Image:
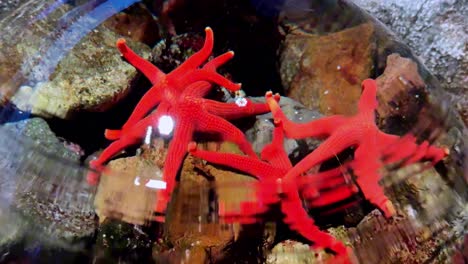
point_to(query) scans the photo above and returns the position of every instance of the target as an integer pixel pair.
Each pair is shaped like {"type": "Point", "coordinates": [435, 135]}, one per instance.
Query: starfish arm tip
{"type": "Point", "coordinates": [268, 94]}
{"type": "Point", "coordinates": [446, 151]}
{"type": "Point", "coordinates": [278, 122]}
{"type": "Point", "coordinates": [192, 147]}
{"type": "Point", "coordinates": [231, 53]}
{"type": "Point", "coordinates": [121, 44]}
{"type": "Point", "coordinates": [110, 134]}
{"type": "Point", "coordinates": [207, 29]}
{"type": "Point", "coordinates": [277, 97]}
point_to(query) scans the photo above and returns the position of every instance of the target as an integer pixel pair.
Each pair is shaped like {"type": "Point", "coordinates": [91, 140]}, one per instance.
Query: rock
{"type": "Point", "coordinates": [461, 253]}
{"type": "Point", "coordinates": [436, 31]}
{"type": "Point", "coordinates": [12, 230]}
{"type": "Point", "coordinates": [192, 213]}
{"type": "Point", "coordinates": [6, 7]}
{"type": "Point", "coordinates": [401, 94]}
{"type": "Point", "coordinates": [24, 144]}
{"type": "Point", "coordinates": [293, 252]}
{"type": "Point", "coordinates": [59, 80]}
{"type": "Point", "coordinates": [122, 193]}
{"type": "Point", "coordinates": [387, 241]}
{"type": "Point", "coordinates": [20, 47]}
{"type": "Point", "coordinates": [126, 181]}
{"type": "Point", "coordinates": [169, 53]}
{"type": "Point", "coordinates": [69, 225]}
{"type": "Point", "coordinates": [92, 77]}
{"type": "Point", "coordinates": [325, 72]}
{"type": "Point", "coordinates": [421, 194]}
{"type": "Point", "coordinates": [137, 23]}
{"type": "Point", "coordinates": [38, 131]}
{"type": "Point", "coordinates": [44, 191]}
{"type": "Point", "coordinates": [122, 242]}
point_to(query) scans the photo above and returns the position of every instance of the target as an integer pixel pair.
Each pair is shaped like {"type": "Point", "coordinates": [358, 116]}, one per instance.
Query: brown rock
{"type": "Point", "coordinates": [91, 78]}
{"type": "Point", "coordinates": [63, 77]}
{"type": "Point", "coordinates": [122, 193]}
{"type": "Point", "coordinates": [327, 74]}
{"type": "Point", "coordinates": [137, 23]}
{"type": "Point", "coordinates": [192, 214]}
{"type": "Point", "coordinates": [401, 90]}
{"type": "Point", "coordinates": [400, 240]}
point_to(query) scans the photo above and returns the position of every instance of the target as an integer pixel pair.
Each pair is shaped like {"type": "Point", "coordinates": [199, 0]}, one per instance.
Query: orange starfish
{"type": "Point", "coordinates": [373, 147]}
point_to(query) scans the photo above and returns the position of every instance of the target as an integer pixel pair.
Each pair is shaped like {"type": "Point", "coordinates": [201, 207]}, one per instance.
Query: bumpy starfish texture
{"type": "Point", "coordinates": [373, 148]}
{"type": "Point", "coordinates": [271, 188]}
{"type": "Point", "coordinates": [179, 95]}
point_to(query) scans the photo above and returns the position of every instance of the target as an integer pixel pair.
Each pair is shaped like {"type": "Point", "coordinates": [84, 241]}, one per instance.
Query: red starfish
{"type": "Point", "coordinates": [372, 146]}
{"type": "Point", "coordinates": [185, 106]}
{"type": "Point", "coordinates": [166, 87]}
{"type": "Point", "coordinates": [271, 188]}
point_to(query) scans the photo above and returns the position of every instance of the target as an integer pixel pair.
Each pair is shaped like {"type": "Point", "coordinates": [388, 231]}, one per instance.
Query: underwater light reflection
{"type": "Point", "coordinates": [165, 125]}
{"type": "Point", "coordinates": [153, 184]}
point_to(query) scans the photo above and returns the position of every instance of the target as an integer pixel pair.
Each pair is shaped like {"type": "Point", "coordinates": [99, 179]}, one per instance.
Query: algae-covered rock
{"type": "Point", "coordinates": [122, 242]}
{"type": "Point", "coordinates": [137, 23]}
{"type": "Point", "coordinates": [64, 78]}
{"type": "Point", "coordinates": [293, 252]}
{"type": "Point", "coordinates": [325, 72]}
{"type": "Point", "coordinates": [122, 193]}
{"type": "Point", "coordinates": [401, 92]}
{"type": "Point", "coordinates": [436, 31]}
{"type": "Point", "coordinates": [92, 77]}
{"type": "Point", "coordinates": [37, 131]}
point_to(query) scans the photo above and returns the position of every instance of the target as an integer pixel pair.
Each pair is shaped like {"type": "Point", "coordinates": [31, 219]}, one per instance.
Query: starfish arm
{"type": "Point", "coordinates": [204, 75]}
{"type": "Point", "coordinates": [131, 137]}
{"type": "Point", "coordinates": [254, 167]}
{"type": "Point", "coordinates": [366, 165]}
{"type": "Point", "coordinates": [137, 125]}
{"type": "Point", "coordinates": [436, 154]}
{"type": "Point", "coordinates": [147, 68]}
{"type": "Point", "coordinates": [207, 122]}
{"type": "Point", "coordinates": [201, 88]}
{"type": "Point", "coordinates": [197, 59]}
{"type": "Point", "coordinates": [298, 220]}
{"type": "Point", "coordinates": [326, 179]}
{"type": "Point", "coordinates": [274, 152]}
{"type": "Point", "coordinates": [386, 141]}
{"type": "Point", "coordinates": [173, 162]}
{"type": "Point", "coordinates": [332, 196]}
{"type": "Point", "coordinates": [233, 110]}
{"type": "Point", "coordinates": [396, 149]}
{"type": "Point", "coordinates": [368, 100]}
{"type": "Point", "coordinates": [147, 103]}
{"type": "Point", "coordinates": [322, 127]}
{"type": "Point", "coordinates": [217, 62]}
{"type": "Point", "coordinates": [402, 149]}
{"type": "Point", "coordinates": [418, 154]}
{"type": "Point", "coordinates": [331, 147]}
{"type": "Point", "coordinates": [107, 154]}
